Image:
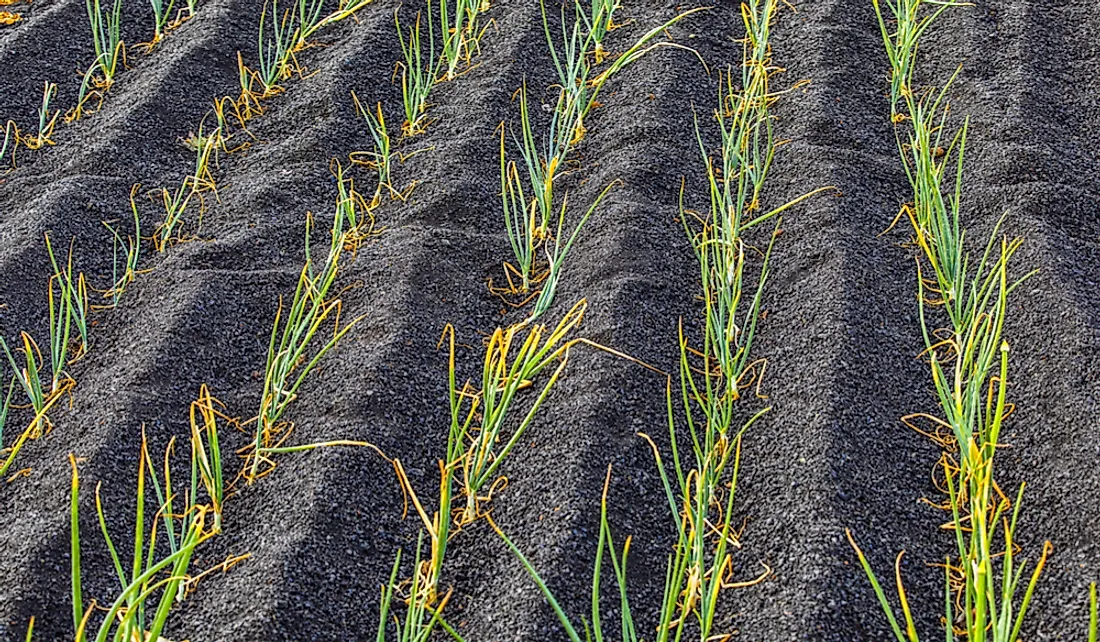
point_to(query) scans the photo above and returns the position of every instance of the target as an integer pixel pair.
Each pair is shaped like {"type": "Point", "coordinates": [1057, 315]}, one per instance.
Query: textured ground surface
{"type": "Point", "coordinates": [840, 335]}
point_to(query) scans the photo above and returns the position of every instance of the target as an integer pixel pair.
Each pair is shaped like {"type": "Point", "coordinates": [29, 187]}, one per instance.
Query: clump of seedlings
{"type": "Point", "coordinates": [380, 157]}
{"type": "Point", "coordinates": [109, 53]}
{"type": "Point", "coordinates": [459, 36]}
{"type": "Point", "coordinates": [194, 186]}
{"type": "Point", "coordinates": [599, 20]}
{"type": "Point", "coordinates": [159, 576]}
{"type": "Point", "coordinates": [67, 307]}
{"type": "Point", "coordinates": [161, 22]}
{"type": "Point", "coordinates": [292, 351]}
{"type": "Point", "coordinates": [486, 424]}
{"type": "Point", "coordinates": [986, 591]}
{"type": "Point", "coordinates": [417, 73]}
{"type": "Point", "coordinates": [460, 33]}
{"type": "Point", "coordinates": [47, 120]}
{"type": "Point", "coordinates": [527, 188]}
{"type": "Point", "coordinates": [125, 254]}
{"type": "Point", "coordinates": [282, 36]}
{"type": "Point", "coordinates": [206, 456]}
{"type": "Point", "coordinates": [413, 628]}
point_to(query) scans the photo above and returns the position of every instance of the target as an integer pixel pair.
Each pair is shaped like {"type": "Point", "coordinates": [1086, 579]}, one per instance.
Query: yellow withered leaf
{"type": "Point", "coordinates": [9, 18]}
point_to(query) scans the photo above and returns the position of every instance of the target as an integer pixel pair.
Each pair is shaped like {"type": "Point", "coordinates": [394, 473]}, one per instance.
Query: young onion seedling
{"type": "Point", "coordinates": [161, 16]}
{"type": "Point", "coordinates": [413, 628]}
{"type": "Point", "coordinates": [41, 399]}
{"type": "Point", "coordinates": [109, 52]}
{"type": "Point", "coordinates": [417, 73]}
{"type": "Point", "coordinates": [599, 21]}
{"type": "Point", "coordinates": [71, 310]}
{"type": "Point", "coordinates": [67, 310]}
{"type": "Point", "coordinates": [528, 227]}
{"type": "Point", "coordinates": [206, 457]}
{"type": "Point", "coordinates": [460, 33]}
{"type": "Point", "coordinates": [379, 158]}
{"type": "Point", "coordinates": [47, 119]}
{"type": "Point", "coordinates": [125, 254]}
{"type": "Point", "coordinates": [274, 47]}
{"type": "Point", "coordinates": [193, 186]}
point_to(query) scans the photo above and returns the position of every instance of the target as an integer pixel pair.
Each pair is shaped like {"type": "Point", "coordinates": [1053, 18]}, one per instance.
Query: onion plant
{"type": "Point", "coordinates": [529, 232]}
{"type": "Point", "coordinates": [294, 336]}
{"type": "Point", "coordinates": [379, 158]}
{"type": "Point", "coordinates": [29, 376]}
{"type": "Point", "coordinates": [69, 311]}
{"type": "Point", "coordinates": [599, 20]}
{"type": "Point", "coordinates": [194, 185]}
{"type": "Point", "coordinates": [47, 119]}
{"type": "Point", "coordinates": [125, 254]}
{"type": "Point", "coordinates": [557, 248]}
{"type": "Point", "coordinates": [281, 37]}
{"type": "Point", "coordinates": [67, 306]}
{"type": "Point", "coordinates": [161, 16]}
{"type": "Point", "coordinates": [460, 33]}
{"type": "Point", "coordinates": [353, 209]}
{"type": "Point", "coordinates": [185, 13]}
{"type": "Point", "coordinates": [421, 617]}
{"type": "Point", "coordinates": [274, 47]}
{"type": "Point", "coordinates": [151, 585]}
{"type": "Point", "coordinates": [985, 595]}
{"type": "Point", "coordinates": [109, 52]}
{"type": "Point", "coordinates": [541, 165]}
{"type": "Point", "coordinates": [417, 73]}
{"type": "Point", "coordinates": [308, 18]}
{"type": "Point", "coordinates": [577, 82]}
{"type": "Point", "coordinates": [40, 399]}
{"type": "Point", "coordinates": [206, 458]}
